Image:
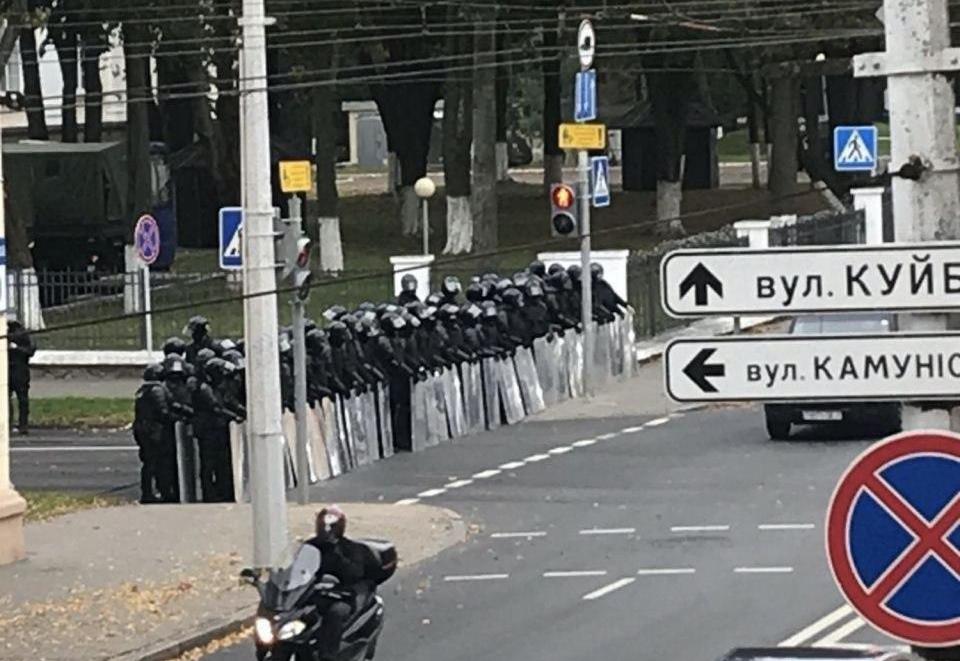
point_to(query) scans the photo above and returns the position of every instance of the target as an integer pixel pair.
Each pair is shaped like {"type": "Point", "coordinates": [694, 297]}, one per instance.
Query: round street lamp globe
{"type": "Point", "coordinates": [425, 188]}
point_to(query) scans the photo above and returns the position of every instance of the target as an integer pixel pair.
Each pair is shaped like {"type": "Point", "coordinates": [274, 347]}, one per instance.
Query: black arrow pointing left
{"type": "Point", "coordinates": [698, 370]}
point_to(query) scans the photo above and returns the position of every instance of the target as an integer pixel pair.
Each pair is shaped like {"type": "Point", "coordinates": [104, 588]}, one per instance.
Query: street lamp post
{"type": "Point", "coordinates": [425, 189]}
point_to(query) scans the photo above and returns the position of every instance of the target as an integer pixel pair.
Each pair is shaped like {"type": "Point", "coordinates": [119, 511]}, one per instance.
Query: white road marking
{"type": "Point", "coordinates": [513, 465]}
{"type": "Point", "coordinates": [575, 574]}
{"type": "Point", "coordinates": [483, 475]}
{"type": "Point", "coordinates": [838, 634]}
{"type": "Point", "coordinates": [407, 501]}
{"type": "Point", "coordinates": [657, 422]}
{"type": "Point", "coordinates": [77, 448]}
{"type": "Point", "coordinates": [608, 531]}
{"type": "Point", "coordinates": [534, 458]}
{"type": "Point", "coordinates": [807, 633]}
{"type": "Point", "coordinates": [613, 587]}
{"type": "Point", "coordinates": [763, 570]}
{"type": "Point", "coordinates": [476, 577]}
{"type": "Point", "coordinates": [723, 528]}
{"type": "Point", "coordinates": [563, 449]}
{"type": "Point", "coordinates": [631, 430]}
{"type": "Point", "coordinates": [667, 572]}
{"type": "Point", "coordinates": [585, 443]}
{"type": "Point", "coordinates": [522, 535]}
{"type": "Point", "coordinates": [786, 526]}
{"type": "Point", "coordinates": [607, 437]}
{"type": "Point", "coordinates": [430, 493]}
{"type": "Point", "coordinates": [456, 484]}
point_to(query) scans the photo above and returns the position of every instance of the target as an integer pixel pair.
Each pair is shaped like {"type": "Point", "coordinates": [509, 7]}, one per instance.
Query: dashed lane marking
{"type": "Point", "coordinates": [476, 577]}
{"type": "Point", "coordinates": [430, 493]}
{"type": "Point", "coordinates": [786, 526]}
{"type": "Point", "coordinates": [585, 443]}
{"type": "Point", "coordinates": [718, 528]}
{"type": "Point", "coordinates": [657, 422]}
{"type": "Point", "coordinates": [806, 634]}
{"type": "Point", "coordinates": [407, 501]}
{"type": "Point", "coordinates": [534, 458]}
{"type": "Point", "coordinates": [456, 484]}
{"type": "Point", "coordinates": [613, 587]}
{"type": "Point", "coordinates": [607, 437]}
{"type": "Point", "coordinates": [679, 571]}
{"type": "Point", "coordinates": [631, 430]}
{"type": "Point", "coordinates": [763, 570]}
{"type": "Point", "coordinates": [563, 449]}
{"type": "Point", "coordinates": [575, 574]}
{"type": "Point", "coordinates": [518, 535]}
{"type": "Point", "coordinates": [483, 475]}
{"type": "Point", "coordinates": [608, 531]}
{"type": "Point", "coordinates": [513, 465]}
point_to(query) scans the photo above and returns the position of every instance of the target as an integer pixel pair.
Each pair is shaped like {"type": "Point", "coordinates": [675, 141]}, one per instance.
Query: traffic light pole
{"type": "Point", "coordinates": [586, 283]}
{"type": "Point", "coordinates": [300, 377]}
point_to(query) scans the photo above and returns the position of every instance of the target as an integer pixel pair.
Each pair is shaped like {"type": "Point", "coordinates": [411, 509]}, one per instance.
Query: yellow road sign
{"type": "Point", "coordinates": [296, 176]}
{"type": "Point", "coordinates": [583, 136]}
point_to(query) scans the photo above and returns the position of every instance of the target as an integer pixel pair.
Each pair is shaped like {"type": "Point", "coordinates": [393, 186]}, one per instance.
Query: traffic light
{"type": "Point", "coordinates": [563, 210]}
{"type": "Point", "coordinates": [293, 252]}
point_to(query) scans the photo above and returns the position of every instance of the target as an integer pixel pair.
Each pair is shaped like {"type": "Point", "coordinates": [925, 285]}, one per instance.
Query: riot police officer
{"type": "Point", "coordinates": [20, 349]}
{"type": "Point", "coordinates": [212, 429]}
{"type": "Point", "coordinates": [198, 329]}
{"type": "Point", "coordinates": [150, 421]}
{"type": "Point", "coordinates": [180, 404]}
{"type": "Point", "coordinates": [607, 299]}
{"type": "Point", "coordinates": [450, 289]}
{"type": "Point", "coordinates": [408, 290]}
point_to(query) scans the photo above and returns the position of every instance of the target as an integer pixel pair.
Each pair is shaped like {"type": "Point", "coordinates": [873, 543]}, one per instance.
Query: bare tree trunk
{"type": "Point", "coordinates": [66, 43]}
{"type": "Point", "coordinates": [327, 210]}
{"type": "Point", "coordinates": [93, 94]}
{"type": "Point", "coordinates": [33, 92]}
{"type": "Point", "coordinates": [503, 87]}
{"type": "Point", "coordinates": [552, 154]}
{"type": "Point", "coordinates": [457, 140]}
{"type": "Point", "coordinates": [670, 94]}
{"type": "Point", "coordinates": [784, 108]}
{"type": "Point", "coordinates": [484, 199]}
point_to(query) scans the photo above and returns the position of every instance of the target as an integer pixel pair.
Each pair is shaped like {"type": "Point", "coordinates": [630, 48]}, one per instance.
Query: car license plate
{"type": "Point", "coordinates": [823, 416]}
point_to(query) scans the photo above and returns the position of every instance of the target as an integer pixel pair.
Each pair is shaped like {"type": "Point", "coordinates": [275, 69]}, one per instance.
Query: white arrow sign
{"type": "Point", "coordinates": [740, 281]}
{"type": "Point", "coordinates": [814, 368]}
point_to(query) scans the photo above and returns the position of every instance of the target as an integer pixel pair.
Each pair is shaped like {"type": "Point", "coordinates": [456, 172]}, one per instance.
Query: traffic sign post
{"type": "Point", "coordinates": [600, 181]}
{"type": "Point", "coordinates": [814, 368]}
{"type": "Point", "coordinates": [892, 539]}
{"type": "Point", "coordinates": [231, 238]}
{"type": "Point", "coordinates": [146, 237]}
{"type": "Point", "coordinates": [855, 148]}
{"type": "Point", "coordinates": [739, 281]}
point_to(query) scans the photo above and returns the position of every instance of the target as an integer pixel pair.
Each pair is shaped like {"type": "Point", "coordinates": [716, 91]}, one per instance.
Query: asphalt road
{"type": "Point", "coordinates": [91, 462]}
{"type": "Point", "coordinates": [622, 539]}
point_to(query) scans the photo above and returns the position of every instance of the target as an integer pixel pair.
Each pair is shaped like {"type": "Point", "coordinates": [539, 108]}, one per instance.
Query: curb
{"type": "Point", "coordinates": [172, 650]}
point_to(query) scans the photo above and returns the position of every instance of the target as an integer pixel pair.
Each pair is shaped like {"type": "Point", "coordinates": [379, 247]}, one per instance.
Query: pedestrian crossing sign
{"type": "Point", "coordinates": [600, 181]}
{"type": "Point", "coordinates": [231, 243]}
{"type": "Point", "coordinates": [855, 148]}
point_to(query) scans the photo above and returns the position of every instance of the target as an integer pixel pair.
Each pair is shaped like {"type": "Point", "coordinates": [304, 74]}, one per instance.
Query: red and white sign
{"type": "Point", "coordinates": [893, 537]}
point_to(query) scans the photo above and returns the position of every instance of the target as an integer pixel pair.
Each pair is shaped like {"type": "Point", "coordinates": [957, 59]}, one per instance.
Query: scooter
{"type": "Point", "coordinates": [288, 622]}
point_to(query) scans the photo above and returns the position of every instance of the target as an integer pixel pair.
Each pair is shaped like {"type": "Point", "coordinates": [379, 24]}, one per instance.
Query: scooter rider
{"type": "Point", "coordinates": [345, 560]}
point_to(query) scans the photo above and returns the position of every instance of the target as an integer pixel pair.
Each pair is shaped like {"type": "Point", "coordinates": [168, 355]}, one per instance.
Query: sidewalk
{"type": "Point", "coordinates": [127, 582]}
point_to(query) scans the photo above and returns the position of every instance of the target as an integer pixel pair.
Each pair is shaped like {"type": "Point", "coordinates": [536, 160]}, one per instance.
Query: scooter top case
{"type": "Point", "coordinates": [381, 561]}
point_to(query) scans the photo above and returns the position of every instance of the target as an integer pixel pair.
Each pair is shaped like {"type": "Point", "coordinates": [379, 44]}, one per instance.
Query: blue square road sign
{"type": "Point", "coordinates": [231, 243]}
{"type": "Point", "coordinates": [855, 148]}
{"type": "Point", "coordinates": [585, 97]}
{"type": "Point", "coordinates": [600, 181]}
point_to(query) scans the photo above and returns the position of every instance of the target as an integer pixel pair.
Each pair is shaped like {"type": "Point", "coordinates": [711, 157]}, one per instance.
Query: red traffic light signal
{"type": "Point", "coordinates": [563, 202]}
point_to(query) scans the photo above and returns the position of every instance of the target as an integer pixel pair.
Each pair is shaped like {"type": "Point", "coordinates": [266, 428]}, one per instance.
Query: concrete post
{"type": "Point", "coordinates": [870, 200]}
{"type": "Point", "coordinates": [757, 232]}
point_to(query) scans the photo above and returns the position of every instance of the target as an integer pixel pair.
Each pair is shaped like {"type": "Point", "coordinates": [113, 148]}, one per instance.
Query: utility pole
{"type": "Point", "coordinates": [267, 486]}
{"type": "Point", "coordinates": [298, 318]}
{"type": "Point", "coordinates": [922, 130]}
{"type": "Point", "coordinates": [586, 282]}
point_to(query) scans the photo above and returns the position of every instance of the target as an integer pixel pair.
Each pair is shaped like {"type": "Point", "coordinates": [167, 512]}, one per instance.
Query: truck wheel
{"type": "Point", "coordinates": [777, 428]}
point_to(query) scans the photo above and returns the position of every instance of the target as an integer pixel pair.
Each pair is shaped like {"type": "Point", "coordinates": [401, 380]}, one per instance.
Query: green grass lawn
{"type": "Point", "coordinates": [734, 147]}
{"type": "Point", "coordinates": [81, 412]}
{"type": "Point", "coordinates": [45, 505]}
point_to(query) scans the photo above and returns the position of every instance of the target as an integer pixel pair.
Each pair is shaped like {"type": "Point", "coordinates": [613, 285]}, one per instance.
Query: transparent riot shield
{"type": "Point", "coordinates": [575, 363]}
{"type": "Point", "coordinates": [345, 435]}
{"type": "Point", "coordinates": [240, 463]}
{"type": "Point", "coordinates": [384, 421]}
{"type": "Point", "coordinates": [371, 431]}
{"type": "Point", "coordinates": [600, 366]}
{"type": "Point", "coordinates": [510, 392]}
{"type": "Point", "coordinates": [616, 348]}
{"type": "Point", "coordinates": [546, 369]}
{"type": "Point", "coordinates": [558, 349]}
{"type": "Point", "coordinates": [358, 430]}
{"type": "Point", "coordinates": [331, 434]}
{"type": "Point", "coordinates": [291, 472]}
{"type": "Point", "coordinates": [317, 450]}
{"type": "Point", "coordinates": [419, 415]}
{"type": "Point", "coordinates": [629, 339]}
{"type": "Point", "coordinates": [437, 431]}
{"type": "Point", "coordinates": [470, 376]}
{"type": "Point", "coordinates": [530, 391]}
{"type": "Point", "coordinates": [490, 381]}
{"type": "Point", "coordinates": [188, 462]}
{"type": "Point", "coordinates": [455, 407]}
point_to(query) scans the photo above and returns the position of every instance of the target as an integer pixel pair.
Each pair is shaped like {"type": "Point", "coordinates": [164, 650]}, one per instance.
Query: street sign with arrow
{"type": "Point", "coordinates": [910, 366]}
{"type": "Point", "coordinates": [741, 281]}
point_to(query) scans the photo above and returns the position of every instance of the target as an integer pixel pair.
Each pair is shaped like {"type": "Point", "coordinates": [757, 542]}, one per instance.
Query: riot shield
{"type": "Point", "coordinates": [546, 369]}
{"type": "Point", "coordinates": [371, 431]}
{"type": "Point", "coordinates": [490, 381]}
{"type": "Point", "coordinates": [384, 421]}
{"type": "Point", "coordinates": [187, 462]}
{"type": "Point", "coordinates": [530, 391]}
{"type": "Point", "coordinates": [473, 397]}
{"type": "Point", "coordinates": [616, 348]}
{"type": "Point", "coordinates": [510, 392]}
{"type": "Point", "coordinates": [601, 355]}
{"type": "Point", "coordinates": [240, 462]}
{"type": "Point", "coordinates": [455, 407]}
{"type": "Point", "coordinates": [419, 415]}
{"type": "Point", "coordinates": [558, 350]}
{"type": "Point", "coordinates": [331, 434]}
{"type": "Point", "coordinates": [345, 434]}
{"type": "Point", "coordinates": [358, 430]}
{"type": "Point", "coordinates": [437, 431]}
{"type": "Point", "coordinates": [575, 364]}
{"type": "Point", "coordinates": [317, 451]}
{"type": "Point", "coordinates": [291, 471]}
{"type": "Point", "coordinates": [629, 339]}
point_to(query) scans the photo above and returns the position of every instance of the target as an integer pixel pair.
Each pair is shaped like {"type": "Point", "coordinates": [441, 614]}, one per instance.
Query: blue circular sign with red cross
{"type": "Point", "coordinates": [893, 537]}
{"type": "Point", "coordinates": [146, 237]}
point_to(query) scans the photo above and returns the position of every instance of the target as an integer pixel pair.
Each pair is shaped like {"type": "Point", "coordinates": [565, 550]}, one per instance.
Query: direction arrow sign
{"type": "Point", "coordinates": [911, 366]}
{"type": "Point", "coordinates": [741, 281]}
{"type": "Point", "coordinates": [892, 537]}
{"type": "Point", "coordinates": [585, 96]}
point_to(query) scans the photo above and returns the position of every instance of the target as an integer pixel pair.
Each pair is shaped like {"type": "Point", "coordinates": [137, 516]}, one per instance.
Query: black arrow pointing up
{"type": "Point", "coordinates": [698, 370]}
{"type": "Point", "coordinates": [701, 279]}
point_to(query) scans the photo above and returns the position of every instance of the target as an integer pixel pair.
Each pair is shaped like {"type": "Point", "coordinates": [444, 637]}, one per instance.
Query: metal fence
{"type": "Point", "coordinates": [827, 228]}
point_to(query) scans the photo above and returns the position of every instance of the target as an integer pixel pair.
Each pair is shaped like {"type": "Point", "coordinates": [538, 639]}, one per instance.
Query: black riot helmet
{"type": "Point", "coordinates": [449, 312]}
{"type": "Point", "coordinates": [283, 344]}
{"type": "Point", "coordinates": [434, 299]}
{"type": "Point", "coordinates": [575, 272]}
{"type": "Point", "coordinates": [204, 355]}
{"type": "Point", "coordinates": [316, 339]}
{"type": "Point", "coordinates": [197, 327]}
{"type": "Point", "coordinates": [370, 328]}
{"type": "Point", "coordinates": [451, 286]}
{"type": "Point", "coordinates": [334, 313]}
{"type": "Point", "coordinates": [520, 279]}
{"type": "Point", "coordinates": [474, 292]}
{"type": "Point", "coordinates": [235, 358]}
{"type": "Point", "coordinates": [537, 268]}
{"type": "Point", "coordinates": [513, 297]}
{"type": "Point", "coordinates": [392, 324]}
{"type": "Point", "coordinates": [555, 268]}
{"type": "Point", "coordinates": [338, 333]}
{"type": "Point", "coordinates": [413, 322]}
{"type": "Point", "coordinates": [367, 306]}
{"type": "Point", "coordinates": [596, 271]}
{"type": "Point", "coordinates": [469, 314]}
{"type": "Point", "coordinates": [408, 283]}
{"type": "Point", "coordinates": [414, 307]}
{"type": "Point", "coordinates": [153, 372]}
{"type": "Point", "coordinates": [174, 345]}
{"type": "Point", "coordinates": [503, 284]}
{"type": "Point", "coordinates": [534, 290]}
{"type": "Point", "coordinates": [225, 345]}
{"type": "Point", "coordinates": [309, 325]}
{"type": "Point", "coordinates": [174, 367]}
{"type": "Point", "coordinates": [489, 309]}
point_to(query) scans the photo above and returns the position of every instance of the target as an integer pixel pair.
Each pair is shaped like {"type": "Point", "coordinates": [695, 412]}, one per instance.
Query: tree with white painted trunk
{"type": "Point", "coordinates": [484, 193]}
{"type": "Point", "coordinates": [457, 141]}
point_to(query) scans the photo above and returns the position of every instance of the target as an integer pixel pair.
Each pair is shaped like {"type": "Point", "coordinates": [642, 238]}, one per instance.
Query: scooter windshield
{"type": "Point", "coordinates": [286, 586]}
